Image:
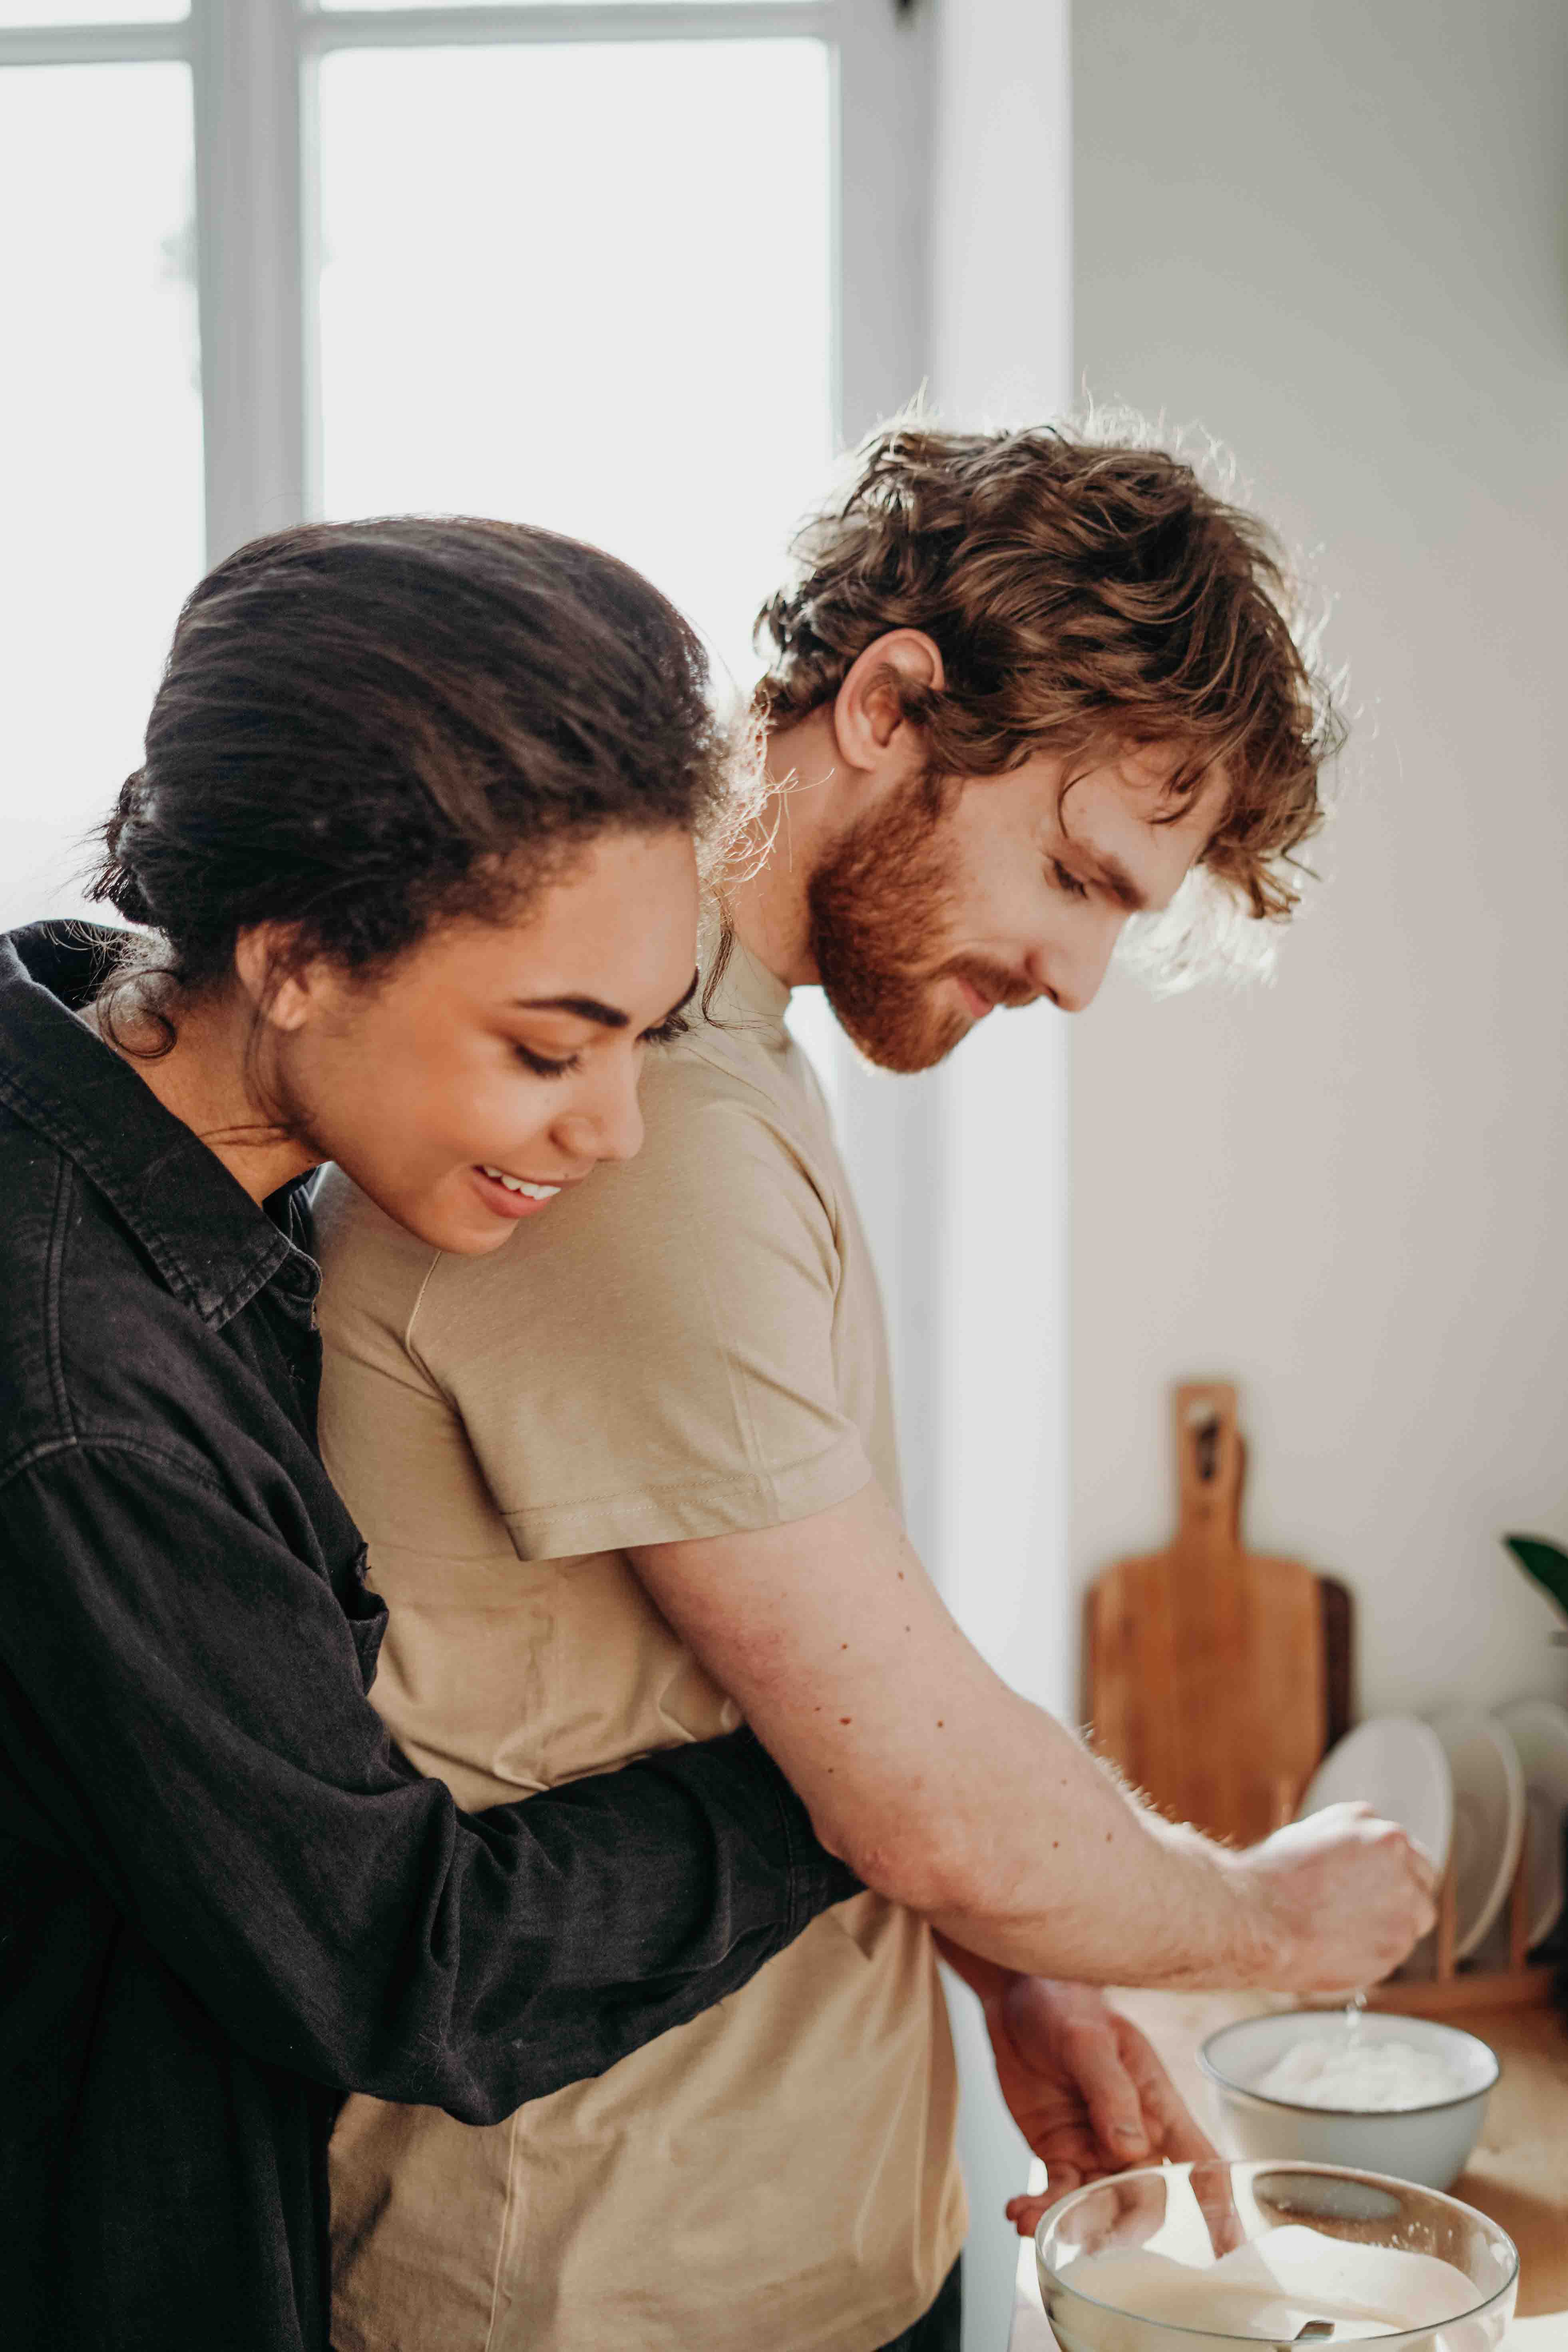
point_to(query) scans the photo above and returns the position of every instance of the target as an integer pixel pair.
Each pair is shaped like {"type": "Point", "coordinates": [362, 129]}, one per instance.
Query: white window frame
{"type": "Point", "coordinates": [253, 66]}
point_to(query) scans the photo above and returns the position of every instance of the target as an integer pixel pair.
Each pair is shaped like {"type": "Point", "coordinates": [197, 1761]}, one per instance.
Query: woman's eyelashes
{"type": "Point", "coordinates": [542, 1069]}
{"type": "Point", "coordinates": [667, 1030]}
{"type": "Point", "coordinates": [1064, 880]}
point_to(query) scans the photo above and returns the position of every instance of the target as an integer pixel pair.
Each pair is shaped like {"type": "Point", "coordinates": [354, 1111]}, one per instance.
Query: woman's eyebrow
{"type": "Point", "coordinates": [682, 1001]}
{"type": "Point", "coordinates": [589, 1008]}
{"type": "Point", "coordinates": [583, 1008]}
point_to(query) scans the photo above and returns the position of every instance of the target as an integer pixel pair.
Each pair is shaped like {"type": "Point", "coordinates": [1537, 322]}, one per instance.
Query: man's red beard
{"type": "Point", "coordinates": [879, 908]}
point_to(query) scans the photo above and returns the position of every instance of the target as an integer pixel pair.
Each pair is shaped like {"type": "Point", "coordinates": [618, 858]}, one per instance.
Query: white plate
{"type": "Point", "coordinates": [1397, 1766]}
{"type": "Point", "coordinates": [1488, 1818]}
{"type": "Point", "coordinates": [1540, 1732]}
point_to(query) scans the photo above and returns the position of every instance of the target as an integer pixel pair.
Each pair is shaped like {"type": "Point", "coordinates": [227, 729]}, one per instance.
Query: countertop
{"type": "Point", "coordinates": [1518, 2175]}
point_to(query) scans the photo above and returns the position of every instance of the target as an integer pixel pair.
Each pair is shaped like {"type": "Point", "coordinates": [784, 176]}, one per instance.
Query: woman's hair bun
{"type": "Point", "coordinates": [116, 882]}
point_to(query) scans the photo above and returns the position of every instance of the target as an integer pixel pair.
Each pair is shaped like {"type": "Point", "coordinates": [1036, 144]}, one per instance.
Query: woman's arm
{"type": "Point", "coordinates": [181, 1710]}
{"type": "Point", "coordinates": [947, 1791]}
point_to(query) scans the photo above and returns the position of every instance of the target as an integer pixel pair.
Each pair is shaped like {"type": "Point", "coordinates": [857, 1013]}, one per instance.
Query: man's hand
{"type": "Point", "coordinates": [1341, 1897]}
{"type": "Point", "coordinates": [1082, 2082]}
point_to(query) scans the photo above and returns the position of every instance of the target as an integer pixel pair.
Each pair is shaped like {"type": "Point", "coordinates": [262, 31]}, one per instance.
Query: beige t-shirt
{"type": "Point", "coordinates": [692, 1344]}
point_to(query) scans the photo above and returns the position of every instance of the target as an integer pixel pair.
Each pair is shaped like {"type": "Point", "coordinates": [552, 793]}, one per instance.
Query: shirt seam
{"type": "Point", "coordinates": [410, 1349]}
{"type": "Point", "coordinates": [652, 1497]}
{"type": "Point", "coordinates": [109, 1442]}
{"type": "Point", "coordinates": [503, 2239]}
{"type": "Point", "coordinates": [54, 1263]}
{"type": "Point", "coordinates": [799, 1869]}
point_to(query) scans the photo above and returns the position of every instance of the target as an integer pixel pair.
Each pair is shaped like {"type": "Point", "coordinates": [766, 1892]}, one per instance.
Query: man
{"type": "Point", "coordinates": [636, 1478]}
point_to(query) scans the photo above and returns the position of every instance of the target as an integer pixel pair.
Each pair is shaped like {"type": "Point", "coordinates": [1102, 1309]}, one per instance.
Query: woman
{"type": "Point", "coordinates": [410, 787]}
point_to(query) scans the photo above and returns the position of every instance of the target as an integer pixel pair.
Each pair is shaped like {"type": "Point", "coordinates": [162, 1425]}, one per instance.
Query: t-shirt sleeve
{"type": "Point", "coordinates": [652, 1359]}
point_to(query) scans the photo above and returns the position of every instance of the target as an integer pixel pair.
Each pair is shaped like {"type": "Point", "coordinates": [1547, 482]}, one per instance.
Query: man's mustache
{"type": "Point", "coordinates": [1008, 989]}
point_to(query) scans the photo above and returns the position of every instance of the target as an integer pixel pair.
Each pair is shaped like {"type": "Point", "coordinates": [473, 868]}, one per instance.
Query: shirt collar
{"type": "Point", "coordinates": [209, 1241]}
{"type": "Point", "coordinates": [749, 989]}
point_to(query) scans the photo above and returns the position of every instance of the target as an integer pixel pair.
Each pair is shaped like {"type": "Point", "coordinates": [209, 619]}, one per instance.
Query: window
{"type": "Point", "coordinates": [630, 268]}
{"type": "Point", "coordinates": [101, 424]}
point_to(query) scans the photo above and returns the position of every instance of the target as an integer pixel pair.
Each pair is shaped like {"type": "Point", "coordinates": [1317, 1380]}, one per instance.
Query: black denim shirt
{"type": "Point", "coordinates": [225, 1897]}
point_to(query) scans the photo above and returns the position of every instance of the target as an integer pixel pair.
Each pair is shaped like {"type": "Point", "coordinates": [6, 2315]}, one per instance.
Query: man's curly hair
{"type": "Point", "coordinates": [1087, 598]}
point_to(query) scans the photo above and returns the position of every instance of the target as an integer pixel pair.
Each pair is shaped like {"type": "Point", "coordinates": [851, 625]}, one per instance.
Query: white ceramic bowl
{"type": "Point", "coordinates": [1430, 2145]}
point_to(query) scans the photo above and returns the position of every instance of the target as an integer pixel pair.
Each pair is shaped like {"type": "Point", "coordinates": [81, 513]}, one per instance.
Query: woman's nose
{"type": "Point", "coordinates": [610, 1127]}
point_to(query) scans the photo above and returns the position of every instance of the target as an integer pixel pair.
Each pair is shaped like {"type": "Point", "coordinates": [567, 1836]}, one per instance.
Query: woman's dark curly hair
{"type": "Point", "coordinates": [364, 728]}
{"type": "Point", "coordinates": [1087, 599]}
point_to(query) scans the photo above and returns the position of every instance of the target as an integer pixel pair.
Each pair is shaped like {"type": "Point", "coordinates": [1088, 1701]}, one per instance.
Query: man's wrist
{"type": "Point", "coordinates": [1258, 1939]}
{"type": "Point", "coordinates": [1243, 1941]}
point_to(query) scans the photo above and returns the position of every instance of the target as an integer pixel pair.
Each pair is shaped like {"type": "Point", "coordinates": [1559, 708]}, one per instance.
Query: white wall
{"type": "Point", "coordinates": [1333, 233]}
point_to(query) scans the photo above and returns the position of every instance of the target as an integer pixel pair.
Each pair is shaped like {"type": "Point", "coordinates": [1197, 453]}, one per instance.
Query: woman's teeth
{"type": "Point", "coordinates": [521, 1184]}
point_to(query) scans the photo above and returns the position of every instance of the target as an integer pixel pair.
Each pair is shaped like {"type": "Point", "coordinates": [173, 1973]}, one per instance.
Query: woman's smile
{"type": "Point", "coordinates": [512, 1196]}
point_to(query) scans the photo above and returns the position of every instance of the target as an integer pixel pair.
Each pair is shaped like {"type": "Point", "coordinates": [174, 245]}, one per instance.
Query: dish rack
{"type": "Point", "coordinates": [1452, 1987]}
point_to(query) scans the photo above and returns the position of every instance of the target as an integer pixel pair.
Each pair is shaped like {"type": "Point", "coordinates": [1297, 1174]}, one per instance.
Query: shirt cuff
{"type": "Point", "coordinates": [737, 1769]}
{"type": "Point", "coordinates": [817, 1879]}
{"type": "Point", "coordinates": [690, 1509]}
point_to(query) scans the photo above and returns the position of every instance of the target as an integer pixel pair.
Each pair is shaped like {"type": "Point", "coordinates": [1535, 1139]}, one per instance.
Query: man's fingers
{"type": "Point", "coordinates": [1426, 1871]}
{"type": "Point", "coordinates": [1140, 2204]}
{"type": "Point", "coordinates": [1026, 2213]}
{"type": "Point", "coordinates": [1170, 2124]}
{"type": "Point", "coordinates": [1109, 2091]}
{"type": "Point", "coordinates": [1210, 2187]}
{"type": "Point", "coordinates": [1071, 2147]}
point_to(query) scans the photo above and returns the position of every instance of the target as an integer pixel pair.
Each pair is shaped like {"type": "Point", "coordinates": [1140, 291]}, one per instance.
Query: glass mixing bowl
{"type": "Point", "coordinates": [1177, 2256]}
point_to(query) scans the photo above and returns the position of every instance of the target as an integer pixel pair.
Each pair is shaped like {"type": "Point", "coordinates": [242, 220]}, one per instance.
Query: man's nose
{"type": "Point", "coordinates": [1070, 971]}
{"type": "Point", "coordinates": [610, 1126]}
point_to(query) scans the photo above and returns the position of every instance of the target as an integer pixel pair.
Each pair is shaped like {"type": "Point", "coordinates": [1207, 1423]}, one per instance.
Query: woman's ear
{"type": "Point", "coordinates": [872, 705]}
{"type": "Point", "coordinates": [282, 989]}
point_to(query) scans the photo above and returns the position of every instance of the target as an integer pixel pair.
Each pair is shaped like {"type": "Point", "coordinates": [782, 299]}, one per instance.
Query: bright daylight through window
{"type": "Point", "coordinates": [588, 281]}
{"type": "Point", "coordinates": [101, 434]}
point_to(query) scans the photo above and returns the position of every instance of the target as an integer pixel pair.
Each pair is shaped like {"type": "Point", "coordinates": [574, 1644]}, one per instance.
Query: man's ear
{"type": "Point", "coordinates": [873, 702]}
{"type": "Point", "coordinates": [266, 964]}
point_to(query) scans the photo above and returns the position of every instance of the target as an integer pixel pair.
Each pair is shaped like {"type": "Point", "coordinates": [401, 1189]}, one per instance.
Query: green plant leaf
{"type": "Point", "coordinates": [1546, 1562]}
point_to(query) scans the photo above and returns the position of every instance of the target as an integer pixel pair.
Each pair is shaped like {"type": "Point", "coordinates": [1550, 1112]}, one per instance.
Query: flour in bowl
{"type": "Point", "coordinates": [1363, 2077]}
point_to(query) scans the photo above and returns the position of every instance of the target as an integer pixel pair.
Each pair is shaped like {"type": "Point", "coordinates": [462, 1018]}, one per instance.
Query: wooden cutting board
{"type": "Point", "coordinates": [1217, 1677]}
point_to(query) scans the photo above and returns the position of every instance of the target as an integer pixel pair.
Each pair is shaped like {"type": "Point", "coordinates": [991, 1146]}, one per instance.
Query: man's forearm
{"type": "Point", "coordinates": [1098, 1889]}
{"type": "Point", "coordinates": [946, 1791]}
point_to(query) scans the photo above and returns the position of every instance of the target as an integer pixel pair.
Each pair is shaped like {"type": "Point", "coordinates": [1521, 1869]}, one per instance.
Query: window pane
{"type": "Point", "coordinates": [91, 12]}
{"type": "Point", "coordinates": [327, 7]}
{"type": "Point", "coordinates": [584, 286]}
{"type": "Point", "coordinates": [101, 443]}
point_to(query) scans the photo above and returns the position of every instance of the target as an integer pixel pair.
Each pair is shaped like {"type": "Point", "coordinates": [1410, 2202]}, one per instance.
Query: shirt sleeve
{"type": "Point", "coordinates": [659, 1364]}
{"type": "Point", "coordinates": [181, 1711]}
